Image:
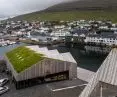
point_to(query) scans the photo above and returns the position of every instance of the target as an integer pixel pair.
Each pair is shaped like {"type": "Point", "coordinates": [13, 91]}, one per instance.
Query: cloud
{"type": "Point", "coordinates": [16, 7]}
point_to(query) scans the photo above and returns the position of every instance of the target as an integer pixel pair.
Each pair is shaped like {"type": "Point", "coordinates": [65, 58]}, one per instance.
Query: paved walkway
{"type": "Point", "coordinates": [84, 74]}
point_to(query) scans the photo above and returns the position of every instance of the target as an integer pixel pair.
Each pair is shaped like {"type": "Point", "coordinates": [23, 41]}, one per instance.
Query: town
{"type": "Point", "coordinates": [47, 32]}
{"type": "Point", "coordinates": [34, 67]}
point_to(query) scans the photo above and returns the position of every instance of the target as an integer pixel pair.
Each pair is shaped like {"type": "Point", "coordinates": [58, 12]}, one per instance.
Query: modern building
{"type": "Point", "coordinates": [32, 64]}
{"type": "Point", "coordinates": [104, 81]}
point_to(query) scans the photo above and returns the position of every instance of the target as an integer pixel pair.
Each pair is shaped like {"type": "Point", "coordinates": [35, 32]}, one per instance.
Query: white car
{"type": "Point", "coordinates": [3, 89]}
{"type": "Point", "coordinates": [3, 81]}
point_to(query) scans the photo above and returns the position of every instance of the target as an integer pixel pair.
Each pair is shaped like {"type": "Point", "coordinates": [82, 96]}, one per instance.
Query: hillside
{"type": "Point", "coordinates": [85, 5]}
{"type": "Point", "coordinates": [74, 10]}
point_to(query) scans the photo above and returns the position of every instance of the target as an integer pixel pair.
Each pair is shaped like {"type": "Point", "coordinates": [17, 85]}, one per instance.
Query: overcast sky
{"type": "Point", "coordinates": [16, 7]}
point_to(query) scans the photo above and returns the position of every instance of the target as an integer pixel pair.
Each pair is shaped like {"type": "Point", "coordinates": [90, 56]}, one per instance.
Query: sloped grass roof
{"type": "Point", "coordinates": [22, 58]}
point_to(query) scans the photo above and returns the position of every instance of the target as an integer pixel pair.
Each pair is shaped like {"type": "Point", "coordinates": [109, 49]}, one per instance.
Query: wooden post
{"type": "Point", "coordinates": [101, 90]}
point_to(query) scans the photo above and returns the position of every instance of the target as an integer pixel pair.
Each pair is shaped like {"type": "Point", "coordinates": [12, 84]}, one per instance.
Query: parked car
{"type": "Point", "coordinates": [3, 89]}
{"type": "Point", "coordinates": [3, 81]}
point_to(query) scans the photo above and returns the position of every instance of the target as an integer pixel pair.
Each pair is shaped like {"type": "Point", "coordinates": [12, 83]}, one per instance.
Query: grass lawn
{"type": "Point", "coordinates": [72, 15]}
{"type": "Point", "coordinates": [22, 58]}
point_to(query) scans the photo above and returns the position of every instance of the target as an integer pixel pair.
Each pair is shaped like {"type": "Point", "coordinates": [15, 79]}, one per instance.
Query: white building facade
{"type": "Point", "coordinates": [101, 39]}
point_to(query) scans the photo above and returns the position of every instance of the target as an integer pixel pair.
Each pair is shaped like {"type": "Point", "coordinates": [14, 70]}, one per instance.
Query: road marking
{"type": "Point", "coordinates": [55, 90]}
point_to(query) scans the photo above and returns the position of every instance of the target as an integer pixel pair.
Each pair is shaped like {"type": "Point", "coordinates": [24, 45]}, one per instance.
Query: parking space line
{"type": "Point", "coordinates": [55, 90]}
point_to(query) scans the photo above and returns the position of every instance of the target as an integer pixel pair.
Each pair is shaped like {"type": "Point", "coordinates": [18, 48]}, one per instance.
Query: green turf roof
{"type": "Point", "coordinates": [22, 58]}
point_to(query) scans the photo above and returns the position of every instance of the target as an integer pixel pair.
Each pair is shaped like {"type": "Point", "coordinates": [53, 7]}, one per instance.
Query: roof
{"type": "Point", "coordinates": [22, 58]}
{"type": "Point", "coordinates": [114, 36]}
{"type": "Point", "coordinates": [80, 31]}
{"type": "Point", "coordinates": [53, 54]}
{"type": "Point", "coordinates": [107, 73]}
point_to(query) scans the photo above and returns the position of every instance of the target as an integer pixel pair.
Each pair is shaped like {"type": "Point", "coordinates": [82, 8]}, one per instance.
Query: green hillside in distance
{"type": "Point", "coordinates": [70, 15]}
{"type": "Point", "coordinates": [75, 10]}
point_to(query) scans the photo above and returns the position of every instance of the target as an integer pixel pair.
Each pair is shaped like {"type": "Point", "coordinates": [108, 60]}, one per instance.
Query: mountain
{"type": "Point", "coordinates": [85, 5]}
{"type": "Point", "coordinates": [75, 9]}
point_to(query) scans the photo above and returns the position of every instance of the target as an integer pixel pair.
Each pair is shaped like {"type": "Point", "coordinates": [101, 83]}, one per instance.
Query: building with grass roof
{"type": "Point", "coordinates": [34, 65]}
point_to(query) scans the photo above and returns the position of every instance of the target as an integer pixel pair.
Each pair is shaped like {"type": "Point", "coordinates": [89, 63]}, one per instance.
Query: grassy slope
{"type": "Point", "coordinates": [70, 15]}
{"type": "Point", "coordinates": [23, 58]}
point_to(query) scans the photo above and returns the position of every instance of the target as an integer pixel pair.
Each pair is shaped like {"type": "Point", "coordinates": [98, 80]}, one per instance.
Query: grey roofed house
{"type": "Point", "coordinates": [104, 82]}
{"type": "Point", "coordinates": [113, 36]}
{"type": "Point", "coordinates": [80, 31]}
{"type": "Point", "coordinates": [53, 63]}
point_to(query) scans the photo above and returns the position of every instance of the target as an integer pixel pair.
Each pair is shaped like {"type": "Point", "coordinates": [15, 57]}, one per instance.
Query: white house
{"type": "Point", "coordinates": [59, 26]}
{"type": "Point", "coordinates": [104, 27]}
{"type": "Point", "coordinates": [43, 30]}
{"type": "Point", "coordinates": [59, 33]}
{"type": "Point", "coordinates": [97, 39]}
{"type": "Point", "coordinates": [114, 29]}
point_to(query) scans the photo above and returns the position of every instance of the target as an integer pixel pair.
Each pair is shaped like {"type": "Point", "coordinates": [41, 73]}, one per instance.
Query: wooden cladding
{"type": "Point", "coordinates": [47, 67]}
